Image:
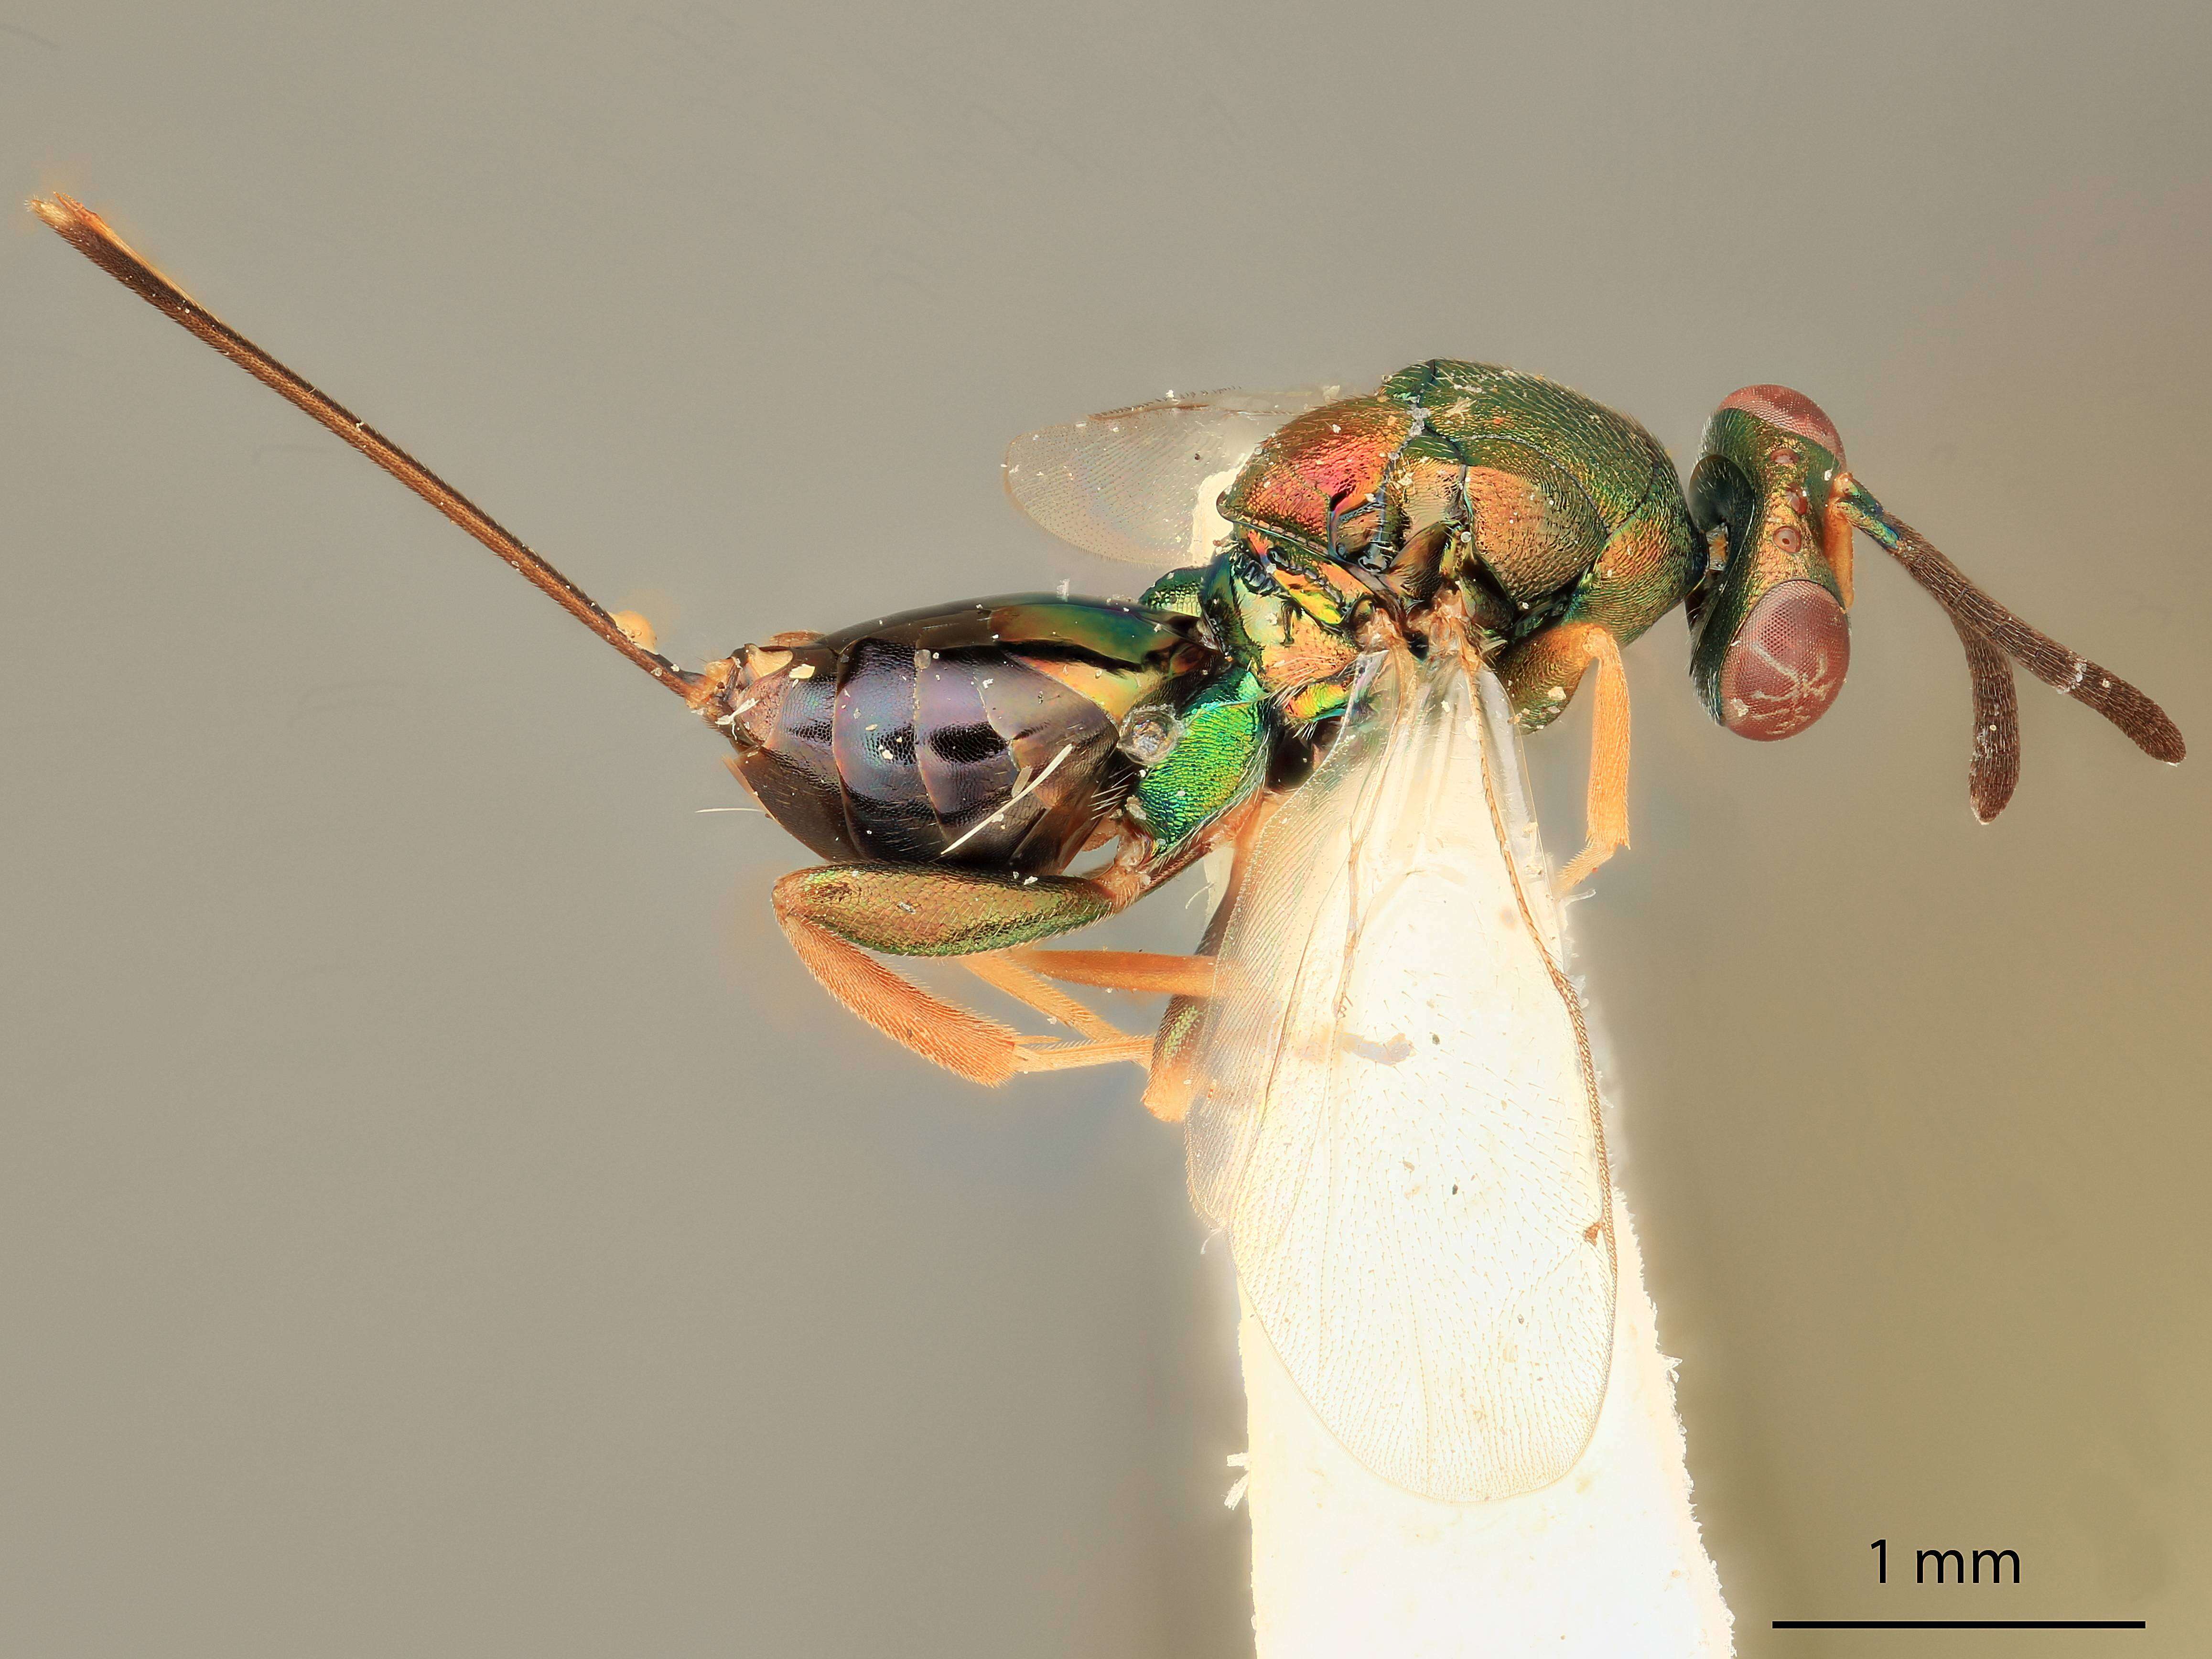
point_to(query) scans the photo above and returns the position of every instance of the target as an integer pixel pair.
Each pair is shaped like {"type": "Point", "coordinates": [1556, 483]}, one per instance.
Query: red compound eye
{"type": "Point", "coordinates": [1786, 663]}
{"type": "Point", "coordinates": [1793, 411]}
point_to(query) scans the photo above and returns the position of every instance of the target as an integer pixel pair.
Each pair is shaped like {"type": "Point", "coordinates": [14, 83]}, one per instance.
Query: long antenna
{"type": "Point", "coordinates": [87, 233]}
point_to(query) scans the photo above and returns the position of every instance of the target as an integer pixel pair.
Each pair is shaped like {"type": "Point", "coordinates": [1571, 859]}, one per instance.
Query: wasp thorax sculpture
{"type": "Point", "coordinates": [956, 767]}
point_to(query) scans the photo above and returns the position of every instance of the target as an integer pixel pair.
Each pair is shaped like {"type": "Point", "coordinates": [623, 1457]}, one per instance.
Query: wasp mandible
{"type": "Point", "coordinates": [957, 765]}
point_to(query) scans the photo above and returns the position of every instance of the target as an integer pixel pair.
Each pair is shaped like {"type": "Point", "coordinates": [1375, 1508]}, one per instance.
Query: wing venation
{"type": "Point", "coordinates": [1395, 1119]}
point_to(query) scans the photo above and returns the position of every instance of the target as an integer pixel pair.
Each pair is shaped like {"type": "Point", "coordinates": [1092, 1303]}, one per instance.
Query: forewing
{"type": "Point", "coordinates": [1396, 1118]}
{"type": "Point", "coordinates": [1139, 485]}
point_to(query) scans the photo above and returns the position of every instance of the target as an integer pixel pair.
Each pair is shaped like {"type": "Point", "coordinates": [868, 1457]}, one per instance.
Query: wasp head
{"type": "Point", "coordinates": [1769, 640]}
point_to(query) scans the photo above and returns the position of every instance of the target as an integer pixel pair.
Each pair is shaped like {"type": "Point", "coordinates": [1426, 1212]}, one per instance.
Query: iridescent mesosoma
{"type": "Point", "coordinates": [956, 765]}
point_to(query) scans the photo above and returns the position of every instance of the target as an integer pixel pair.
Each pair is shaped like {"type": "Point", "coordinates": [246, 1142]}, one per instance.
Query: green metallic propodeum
{"type": "Point", "coordinates": [1218, 758]}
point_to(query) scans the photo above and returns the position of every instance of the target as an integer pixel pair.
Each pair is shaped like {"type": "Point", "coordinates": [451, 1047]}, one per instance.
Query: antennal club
{"type": "Point", "coordinates": [1987, 628]}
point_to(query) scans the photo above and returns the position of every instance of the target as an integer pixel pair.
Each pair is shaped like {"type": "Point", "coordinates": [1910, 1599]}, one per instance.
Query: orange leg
{"type": "Point", "coordinates": [1022, 973]}
{"type": "Point", "coordinates": [1188, 980]}
{"type": "Point", "coordinates": [1102, 1042]}
{"type": "Point", "coordinates": [1606, 816]}
{"type": "Point", "coordinates": [1540, 674]}
{"type": "Point", "coordinates": [979, 1049]}
{"type": "Point", "coordinates": [836, 915]}
{"type": "Point", "coordinates": [1124, 970]}
{"type": "Point", "coordinates": [982, 1050]}
{"type": "Point", "coordinates": [1004, 970]}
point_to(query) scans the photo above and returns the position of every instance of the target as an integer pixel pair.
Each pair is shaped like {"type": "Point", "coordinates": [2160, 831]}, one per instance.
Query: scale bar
{"type": "Point", "coordinates": [1960, 1624]}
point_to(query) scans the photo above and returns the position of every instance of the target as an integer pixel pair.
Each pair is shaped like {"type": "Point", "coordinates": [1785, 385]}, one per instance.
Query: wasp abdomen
{"type": "Point", "coordinates": [986, 735]}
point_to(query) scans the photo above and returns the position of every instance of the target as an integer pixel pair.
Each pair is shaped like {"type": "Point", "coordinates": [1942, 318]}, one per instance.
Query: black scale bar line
{"type": "Point", "coordinates": [1960, 1624]}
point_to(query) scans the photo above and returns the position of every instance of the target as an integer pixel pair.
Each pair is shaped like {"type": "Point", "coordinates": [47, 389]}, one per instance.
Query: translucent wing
{"type": "Point", "coordinates": [1138, 484]}
{"type": "Point", "coordinates": [1396, 1117]}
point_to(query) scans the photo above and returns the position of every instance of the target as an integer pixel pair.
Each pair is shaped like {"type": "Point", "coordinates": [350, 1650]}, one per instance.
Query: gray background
{"type": "Point", "coordinates": [439, 1215]}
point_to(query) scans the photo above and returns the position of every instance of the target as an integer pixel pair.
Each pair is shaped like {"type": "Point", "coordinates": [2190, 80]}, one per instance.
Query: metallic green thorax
{"type": "Point", "coordinates": [1545, 507]}
{"type": "Point", "coordinates": [1596, 530]}
{"type": "Point", "coordinates": [1483, 415]}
